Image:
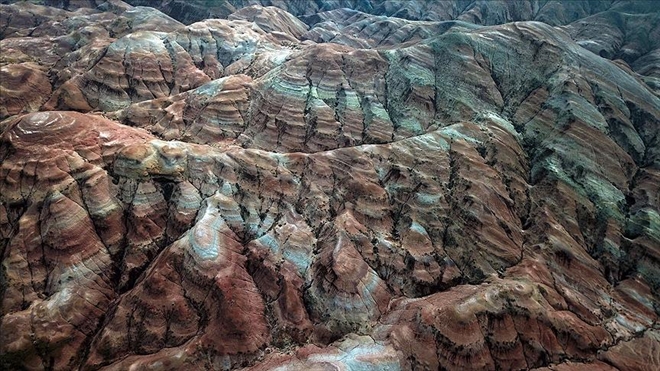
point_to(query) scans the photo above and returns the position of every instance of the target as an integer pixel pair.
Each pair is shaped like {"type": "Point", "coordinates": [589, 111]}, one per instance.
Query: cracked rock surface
{"type": "Point", "coordinates": [353, 185]}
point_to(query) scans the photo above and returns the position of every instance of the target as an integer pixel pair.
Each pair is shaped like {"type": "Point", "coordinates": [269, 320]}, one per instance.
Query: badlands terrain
{"type": "Point", "coordinates": [329, 185]}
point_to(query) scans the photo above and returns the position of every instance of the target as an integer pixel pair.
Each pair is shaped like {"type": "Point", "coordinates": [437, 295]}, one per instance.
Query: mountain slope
{"type": "Point", "coordinates": [427, 186]}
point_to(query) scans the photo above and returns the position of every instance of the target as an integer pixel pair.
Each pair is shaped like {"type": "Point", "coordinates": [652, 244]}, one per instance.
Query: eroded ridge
{"type": "Point", "coordinates": [308, 188]}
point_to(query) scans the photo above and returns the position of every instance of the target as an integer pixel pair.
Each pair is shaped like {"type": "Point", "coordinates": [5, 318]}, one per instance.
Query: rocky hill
{"type": "Point", "coordinates": [330, 184]}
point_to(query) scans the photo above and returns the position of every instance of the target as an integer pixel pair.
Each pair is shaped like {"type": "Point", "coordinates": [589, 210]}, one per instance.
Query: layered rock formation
{"type": "Point", "coordinates": [416, 186]}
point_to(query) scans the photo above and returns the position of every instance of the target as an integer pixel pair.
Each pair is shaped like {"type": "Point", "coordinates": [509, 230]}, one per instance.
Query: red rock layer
{"type": "Point", "coordinates": [484, 198]}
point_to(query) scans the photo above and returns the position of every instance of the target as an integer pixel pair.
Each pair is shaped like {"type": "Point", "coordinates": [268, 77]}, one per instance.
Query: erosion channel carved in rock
{"type": "Point", "coordinates": [329, 185]}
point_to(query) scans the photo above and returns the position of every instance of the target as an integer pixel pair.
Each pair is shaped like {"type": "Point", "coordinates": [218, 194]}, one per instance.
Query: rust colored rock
{"type": "Point", "coordinates": [636, 354]}
{"type": "Point", "coordinates": [25, 18]}
{"type": "Point", "coordinates": [569, 366]}
{"type": "Point", "coordinates": [273, 20]}
{"type": "Point", "coordinates": [24, 88]}
{"type": "Point", "coordinates": [134, 68]}
{"type": "Point", "coordinates": [210, 114]}
{"type": "Point", "coordinates": [389, 187]}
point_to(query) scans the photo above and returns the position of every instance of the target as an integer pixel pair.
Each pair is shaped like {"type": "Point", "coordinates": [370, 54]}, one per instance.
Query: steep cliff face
{"type": "Point", "coordinates": [401, 185]}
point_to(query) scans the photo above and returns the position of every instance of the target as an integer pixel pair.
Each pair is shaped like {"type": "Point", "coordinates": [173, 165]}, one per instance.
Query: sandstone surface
{"type": "Point", "coordinates": [353, 185]}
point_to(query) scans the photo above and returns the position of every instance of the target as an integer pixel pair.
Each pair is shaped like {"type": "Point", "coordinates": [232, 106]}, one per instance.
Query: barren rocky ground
{"type": "Point", "coordinates": [329, 185]}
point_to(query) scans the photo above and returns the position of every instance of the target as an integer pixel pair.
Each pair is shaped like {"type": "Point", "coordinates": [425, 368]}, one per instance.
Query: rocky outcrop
{"type": "Point", "coordinates": [145, 65]}
{"type": "Point", "coordinates": [24, 87]}
{"type": "Point", "coordinates": [480, 11]}
{"type": "Point", "coordinates": [136, 67]}
{"type": "Point", "coordinates": [344, 190]}
{"type": "Point", "coordinates": [210, 114]}
{"type": "Point", "coordinates": [272, 20]}
{"type": "Point", "coordinates": [639, 354]}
